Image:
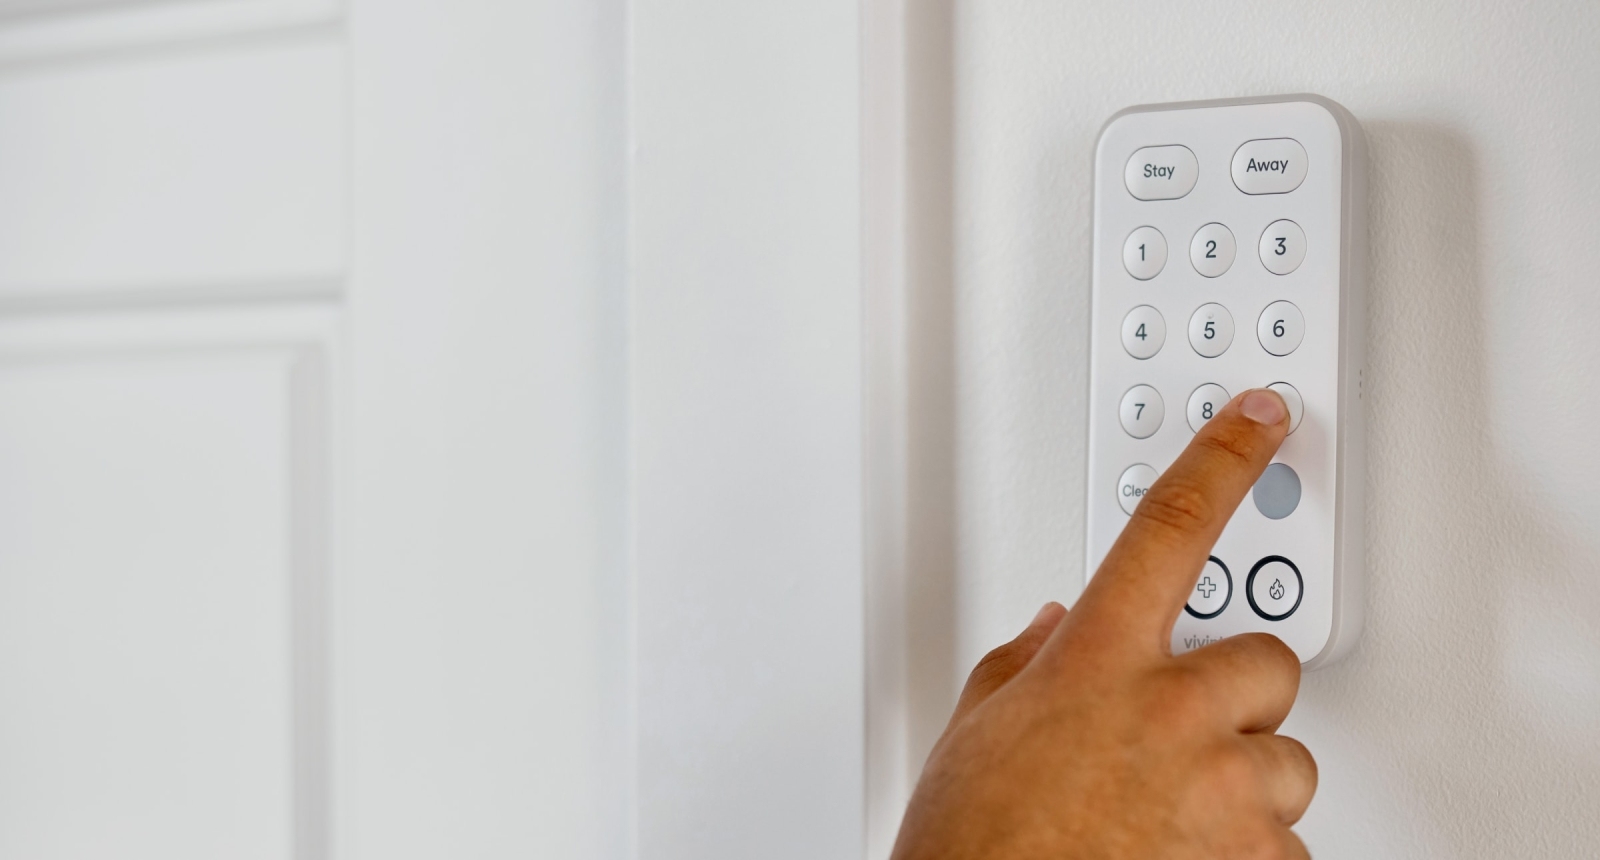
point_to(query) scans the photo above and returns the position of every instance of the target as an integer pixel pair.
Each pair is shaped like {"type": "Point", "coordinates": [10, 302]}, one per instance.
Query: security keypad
{"type": "Point", "coordinates": [1182, 191]}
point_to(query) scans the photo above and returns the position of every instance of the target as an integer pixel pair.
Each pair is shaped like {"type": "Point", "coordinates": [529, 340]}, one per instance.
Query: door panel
{"type": "Point", "coordinates": [160, 644]}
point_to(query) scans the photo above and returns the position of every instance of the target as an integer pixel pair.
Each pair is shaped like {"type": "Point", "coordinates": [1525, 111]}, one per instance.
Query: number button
{"type": "Point", "coordinates": [1142, 411]}
{"type": "Point", "coordinates": [1283, 247]}
{"type": "Point", "coordinates": [1143, 332]}
{"type": "Point", "coordinates": [1212, 250]}
{"type": "Point", "coordinates": [1211, 330]}
{"type": "Point", "coordinates": [1281, 328]}
{"type": "Point", "coordinates": [1206, 401]}
{"type": "Point", "coordinates": [1144, 255]}
{"type": "Point", "coordinates": [1293, 400]}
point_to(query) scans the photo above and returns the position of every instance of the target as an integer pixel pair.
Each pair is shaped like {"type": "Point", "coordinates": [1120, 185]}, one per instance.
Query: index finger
{"type": "Point", "coordinates": [1144, 581]}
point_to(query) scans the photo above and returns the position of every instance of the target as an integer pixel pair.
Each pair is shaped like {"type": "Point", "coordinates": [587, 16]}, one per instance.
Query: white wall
{"type": "Point", "coordinates": [1467, 723]}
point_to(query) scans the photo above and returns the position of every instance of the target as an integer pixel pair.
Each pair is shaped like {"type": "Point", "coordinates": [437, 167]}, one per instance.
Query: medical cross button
{"type": "Point", "coordinates": [1212, 592]}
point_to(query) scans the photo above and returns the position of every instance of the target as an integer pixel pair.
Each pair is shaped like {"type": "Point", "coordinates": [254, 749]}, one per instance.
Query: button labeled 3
{"type": "Point", "coordinates": [1283, 247]}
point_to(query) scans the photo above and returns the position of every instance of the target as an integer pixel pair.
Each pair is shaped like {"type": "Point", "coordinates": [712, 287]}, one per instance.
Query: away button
{"type": "Point", "coordinates": [1275, 166]}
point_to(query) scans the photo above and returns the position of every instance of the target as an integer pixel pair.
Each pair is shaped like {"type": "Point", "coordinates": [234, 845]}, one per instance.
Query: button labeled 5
{"type": "Point", "coordinates": [1211, 330]}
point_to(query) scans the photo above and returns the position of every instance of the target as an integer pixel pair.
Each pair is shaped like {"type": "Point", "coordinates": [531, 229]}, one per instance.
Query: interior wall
{"type": "Point", "coordinates": [1464, 725]}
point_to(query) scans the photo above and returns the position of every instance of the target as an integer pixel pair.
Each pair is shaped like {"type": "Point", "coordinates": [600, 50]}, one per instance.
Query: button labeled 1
{"type": "Point", "coordinates": [1145, 253]}
{"type": "Point", "coordinates": [1142, 411]}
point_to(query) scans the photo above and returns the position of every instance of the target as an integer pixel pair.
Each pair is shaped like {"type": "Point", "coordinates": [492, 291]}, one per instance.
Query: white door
{"type": "Point", "coordinates": [311, 438]}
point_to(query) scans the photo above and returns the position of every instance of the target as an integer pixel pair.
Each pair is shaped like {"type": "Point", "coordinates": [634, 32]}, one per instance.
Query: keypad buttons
{"type": "Point", "coordinates": [1205, 402]}
{"type": "Point", "coordinates": [1212, 590]}
{"type": "Point", "coordinates": [1275, 166]}
{"type": "Point", "coordinates": [1142, 411]}
{"type": "Point", "coordinates": [1283, 247]}
{"type": "Point", "coordinates": [1161, 172]}
{"type": "Point", "coordinates": [1143, 332]}
{"type": "Point", "coordinates": [1281, 328]}
{"type": "Point", "coordinates": [1212, 250]}
{"type": "Point", "coordinates": [1274, 588]}
{"type": "Point", "coordinates": [1144, 255]}
{"type": "Point", "coordinates": [1291, 398]}
{"type": "Point", "coordinates": [1133, 484]}
{"type": "Point", "coordinates": [1211, 330]}
{"type": "Point", "coordinates": [1277, 491]}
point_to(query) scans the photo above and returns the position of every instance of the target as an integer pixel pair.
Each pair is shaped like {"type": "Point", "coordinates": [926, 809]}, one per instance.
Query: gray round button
{"type": "Point", "coordinates": [1277, 493]}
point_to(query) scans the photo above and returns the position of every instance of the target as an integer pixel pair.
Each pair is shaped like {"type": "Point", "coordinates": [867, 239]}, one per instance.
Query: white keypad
{"type": "Point", "coordinates": [1207, 180]}
{"type": "Point", "coordinates": [1211, 330]}
{"type": "Point", "coordinates": [1142, 411]}
{"type": "Point", "coordinates": [1144, 255]}
{"type": "Point", "coordinates": [1283, 247]}
{"type": "Point", "coordinates": [1144, 332]}
{"type": "Point", "coordinates": [1212, 250]}
{"type": "Point", "coordinates": [1281, 328]}
{"type": "Point", "coordinates": [1204, 403]}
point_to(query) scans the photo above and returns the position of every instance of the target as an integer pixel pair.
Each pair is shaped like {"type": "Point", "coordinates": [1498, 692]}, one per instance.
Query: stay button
{"type": "Point", "coordinates": [1274, 166]}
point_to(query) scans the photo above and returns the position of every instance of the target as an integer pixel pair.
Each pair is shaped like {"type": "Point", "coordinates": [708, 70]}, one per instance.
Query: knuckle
{"type": "Point", "coordinates": [996, 666]}
{"type": "Point", "coordinates": [1178, 505]}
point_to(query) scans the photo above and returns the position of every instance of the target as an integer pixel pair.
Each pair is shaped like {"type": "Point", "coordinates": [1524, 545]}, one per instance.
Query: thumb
{"type": "Point", "coordinates": [1002, 664]}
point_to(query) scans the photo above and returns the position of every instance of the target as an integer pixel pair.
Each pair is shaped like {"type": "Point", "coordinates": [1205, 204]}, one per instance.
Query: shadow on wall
{"type": "Point", "coordinates": [932, 491]}
{"type": "Point", "coordinates": [1452, 730]}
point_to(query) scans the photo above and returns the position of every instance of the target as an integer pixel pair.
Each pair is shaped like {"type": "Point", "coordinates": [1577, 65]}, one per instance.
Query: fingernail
{"type": "Point", "coordinates": [1264, 407]}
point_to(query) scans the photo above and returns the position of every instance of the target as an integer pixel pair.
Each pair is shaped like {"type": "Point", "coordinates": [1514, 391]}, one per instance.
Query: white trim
{"type": "Point", "coordinates": [124, 24]}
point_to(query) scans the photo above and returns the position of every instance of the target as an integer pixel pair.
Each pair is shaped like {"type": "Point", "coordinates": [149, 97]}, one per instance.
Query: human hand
{"type": "Point", "coordinates": [1085, 737]}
